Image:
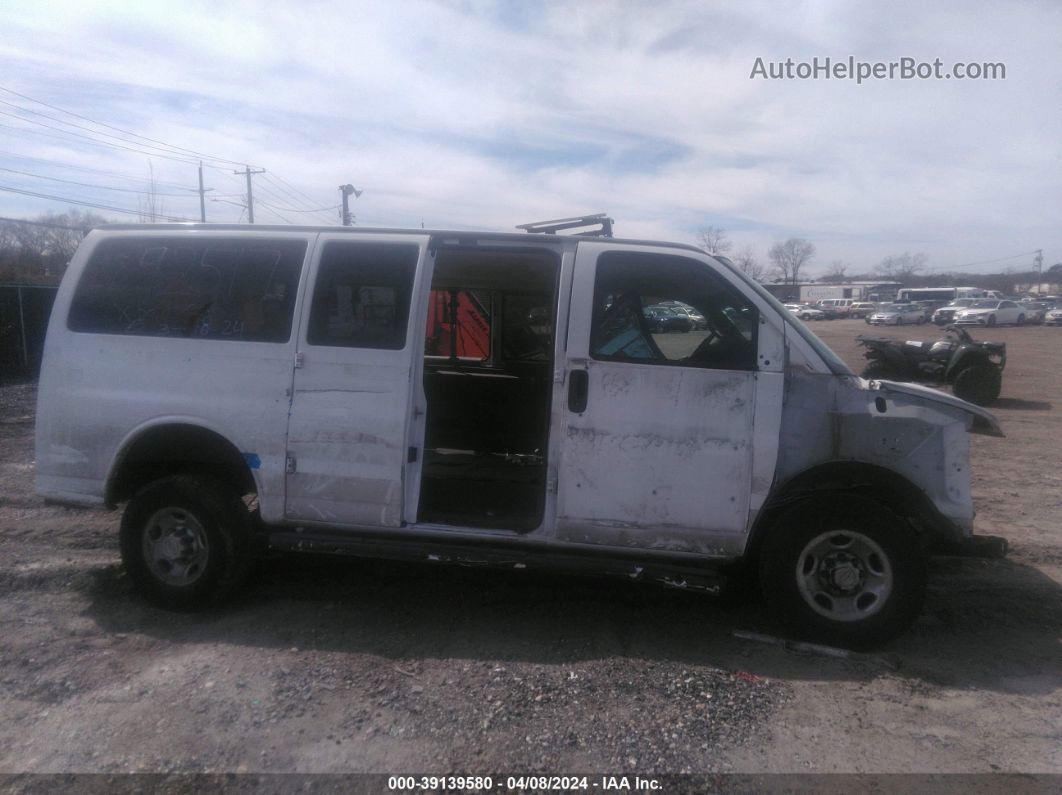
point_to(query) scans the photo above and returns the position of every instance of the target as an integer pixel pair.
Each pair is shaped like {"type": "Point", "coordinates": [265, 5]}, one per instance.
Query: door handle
{"type": "Point", "coordinates": [578, 390]}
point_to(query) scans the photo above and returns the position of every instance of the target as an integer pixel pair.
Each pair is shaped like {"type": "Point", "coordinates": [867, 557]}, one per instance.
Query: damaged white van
{"type": "Point", "coordinates": [488, 398]}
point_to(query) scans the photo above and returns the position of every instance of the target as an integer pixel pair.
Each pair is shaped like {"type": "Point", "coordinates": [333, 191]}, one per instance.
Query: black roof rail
{"type": "Point", "coordinates": [600, 220]}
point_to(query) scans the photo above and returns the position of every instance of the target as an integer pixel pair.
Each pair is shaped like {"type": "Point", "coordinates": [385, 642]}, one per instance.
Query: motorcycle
{"type": "Point", "coordinates": [973, 369]}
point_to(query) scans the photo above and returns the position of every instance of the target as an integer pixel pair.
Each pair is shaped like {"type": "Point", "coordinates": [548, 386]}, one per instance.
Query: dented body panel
{"type": "Point", "coordinates": [670, 461]}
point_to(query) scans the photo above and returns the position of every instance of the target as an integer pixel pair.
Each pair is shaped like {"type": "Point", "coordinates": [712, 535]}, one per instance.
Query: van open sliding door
{"type": "Point", "coordinates": [356, 427]}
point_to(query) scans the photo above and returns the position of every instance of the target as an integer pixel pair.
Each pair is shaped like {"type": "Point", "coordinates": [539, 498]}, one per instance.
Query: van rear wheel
{"type": "Point", "coordinates": [186, 542]}
{"type": "Point", "coordinates": [845, 571]}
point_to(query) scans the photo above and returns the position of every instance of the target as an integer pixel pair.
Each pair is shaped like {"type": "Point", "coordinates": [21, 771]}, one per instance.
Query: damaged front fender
{"type": "Point", "coordinates": [981, 421]}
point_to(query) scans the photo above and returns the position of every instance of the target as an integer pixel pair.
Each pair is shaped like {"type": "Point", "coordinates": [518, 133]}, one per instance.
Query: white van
{"type": "Point", "coordinates": [839, 306]}
{"type": "Point", "coordinates": [487, 398]}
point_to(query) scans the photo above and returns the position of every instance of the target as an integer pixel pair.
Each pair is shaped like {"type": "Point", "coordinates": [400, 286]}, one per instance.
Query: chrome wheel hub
{"type": "Point", "coordinates": [175, 546]}
{"type": "Point", "coordinates": [844, 575]}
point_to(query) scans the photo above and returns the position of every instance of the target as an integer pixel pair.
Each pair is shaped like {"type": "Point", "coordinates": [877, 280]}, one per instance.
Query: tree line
{"type": "Point", "coordinates": [786, 260]}
{"type": "Point", "coordinates": [37, 250]}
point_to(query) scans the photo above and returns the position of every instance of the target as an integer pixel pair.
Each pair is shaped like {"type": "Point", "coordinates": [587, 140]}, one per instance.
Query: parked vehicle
{"type": "Point", "coordinates": [243, 388]}
{"type": "Point", "coordinates": [862, 308]}
{"type": "Point", "coordinates": [929, 307]}
{"type": "Point", "coordinates": [666, 318]}
{"type": "Point", "coordinates": [700, 322]}
{"type": "Point", "coordinates": [991, 312]}
{"type": "Point", "coordinates": [1035, 311]}
{"type": "Point", "coordinates": [946, 314]}
{"type": "Point", "coordinates": [806, 311]}
{"type": "Point", "coordinates": [835, 307]}
{"type": "Point", "coordinates": [1053, 317]}
{"type": "Point", "coordinates": [896, 315]}
{"type": "Point", "coordinates": [974, 370]}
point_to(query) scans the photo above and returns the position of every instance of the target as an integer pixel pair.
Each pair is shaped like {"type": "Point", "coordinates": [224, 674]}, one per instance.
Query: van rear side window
{"type": "Point", "coordinates": [214, 288]}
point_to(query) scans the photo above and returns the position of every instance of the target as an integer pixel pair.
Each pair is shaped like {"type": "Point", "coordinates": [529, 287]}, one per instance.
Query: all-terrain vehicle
{"type": "Point", "coordinates": [973, 369]}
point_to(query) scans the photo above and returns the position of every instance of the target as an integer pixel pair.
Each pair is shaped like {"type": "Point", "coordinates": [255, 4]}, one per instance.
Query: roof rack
{"type": "Point", "coordinates": [601, 220]}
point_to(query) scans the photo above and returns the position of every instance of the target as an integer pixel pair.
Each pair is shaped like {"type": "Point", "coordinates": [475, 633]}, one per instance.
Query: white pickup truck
{"type": "Point", "coordinates": [494, 398]}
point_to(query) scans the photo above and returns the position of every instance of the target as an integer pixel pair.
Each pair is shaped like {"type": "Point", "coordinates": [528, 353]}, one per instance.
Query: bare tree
{"type": "Point", "coordinates": [790, 256]}
{"type": "Point", "coordinates": [902, 267]}
{"type": "Point", "coordinates": [714, 240]}
{"type": "Point", "coordinates": [836, 272]}
{"type": "Point", "coordinates": [748, 264]}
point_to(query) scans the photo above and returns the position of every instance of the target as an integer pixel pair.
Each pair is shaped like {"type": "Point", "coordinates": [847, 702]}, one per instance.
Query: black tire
{"type": "Point", "coordinates": [879, 370]}
{"type": "Point", "coordinates": [991, 320]}
{"type": "Point", "coordinates": [1021, 320]}
{"type": "Point", "coordinates": [214, 537]}
{"type": "Point", "coordinates": [884, 546]}
{"type": "Point", "coordinates": [979, 384]}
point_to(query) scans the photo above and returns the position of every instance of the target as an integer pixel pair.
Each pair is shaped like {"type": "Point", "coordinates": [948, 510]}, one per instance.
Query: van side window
{"type": "Point", "coordinates": [664, 309]}
{"type": "Point", "coordinates": [362, 295]}
{"type": "Point", "coordinates": [209, 288]}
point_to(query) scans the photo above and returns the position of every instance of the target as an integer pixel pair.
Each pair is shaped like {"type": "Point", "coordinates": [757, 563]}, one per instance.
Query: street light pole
{"type": "Point", "coordinates": [345, 191]}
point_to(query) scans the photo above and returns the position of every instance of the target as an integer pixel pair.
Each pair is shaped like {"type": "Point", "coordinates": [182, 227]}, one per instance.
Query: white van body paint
{"type": "Point", "coordinates": [664, 459]}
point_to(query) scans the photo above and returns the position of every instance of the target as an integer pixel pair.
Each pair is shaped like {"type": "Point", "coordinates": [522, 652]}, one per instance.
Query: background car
{"type": "Point", "coordinates": [991, 312]}
{"type": "Point", "coordinates": [1053, 317]}
{"type": "Point", "coordinates": [666, 318]}
{"type": "Point", "coordinates": [945, 314]}
{"type": "Point", "coordinates": [830, 311]}
{"type": "Point", "coordinates": [806, 312]}
{"type": "Point", "coordinates": [700, 322]}
{"type": "Point", "coordinates": [897, 315]}
{"type": "Point", "coordinates": [862, 308]}
{"type": "Point", "coordinates": [1035, 311]}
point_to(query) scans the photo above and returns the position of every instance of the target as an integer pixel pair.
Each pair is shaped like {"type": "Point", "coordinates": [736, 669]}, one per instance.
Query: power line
{"type": "Point", "coordinates": [95, 205]}
{"type": "Point", "coordinates": [280, 186]}
{"type": "Point", "coordinates": [168, 151]}
{"type": "Point", "coordinates": [87, 170]}
{"type": "Point", "coordinates": [91, 141]}
{"type": "Point", "coordinates": [88, 184]}
{"type": "Point", "coordinates": [119, 129]}
{"type": "Point", "coordinates": [982, 262]}
{"type": "Point", "coordinates": [289, 185]}
{"type": "Point", "coordinates": [292, 210]}
{"type": "Point", "coordinates": [276, 199]}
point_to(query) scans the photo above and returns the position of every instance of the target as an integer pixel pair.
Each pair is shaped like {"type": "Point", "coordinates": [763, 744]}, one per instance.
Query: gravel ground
{"type": "Point", "coordinates": [335, 666]}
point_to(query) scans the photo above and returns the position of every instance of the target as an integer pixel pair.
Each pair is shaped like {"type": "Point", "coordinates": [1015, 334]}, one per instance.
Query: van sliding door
{"type": "Point", "coordinates": [355, 432]}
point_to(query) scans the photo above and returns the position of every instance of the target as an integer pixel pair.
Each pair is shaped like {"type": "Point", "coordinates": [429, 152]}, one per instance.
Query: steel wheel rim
{"type": "Point", "coordinates": [175, 546]}
{"type": "Point", "coordinates": [843, 575]}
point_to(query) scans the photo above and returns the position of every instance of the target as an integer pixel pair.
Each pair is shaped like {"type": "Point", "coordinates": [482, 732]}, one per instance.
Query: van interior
{"type": "Point", "coordinates": [488, 368]}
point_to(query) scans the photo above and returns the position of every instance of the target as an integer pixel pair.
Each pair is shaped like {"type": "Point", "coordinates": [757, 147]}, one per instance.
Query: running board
{"type": "Point", "coordinates": [680, 573]}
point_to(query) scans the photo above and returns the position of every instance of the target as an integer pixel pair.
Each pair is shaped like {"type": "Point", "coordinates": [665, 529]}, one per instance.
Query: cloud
{"type": "Point", "coordinates": [476, 114]}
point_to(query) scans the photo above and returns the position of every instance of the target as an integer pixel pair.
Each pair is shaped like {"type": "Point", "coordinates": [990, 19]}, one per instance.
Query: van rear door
{"type": "Point", "coordinates": [356, 425]}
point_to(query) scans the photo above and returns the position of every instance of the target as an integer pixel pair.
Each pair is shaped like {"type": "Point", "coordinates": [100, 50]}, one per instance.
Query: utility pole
{"type": "Point", "coordinates": [345, 191]}
{"type": "Point", "coordinates": [1039, 270]}
{"type": "Point", "coordinates": [248, 172]}
{"type": "Point", "coordinates": [202, 195]}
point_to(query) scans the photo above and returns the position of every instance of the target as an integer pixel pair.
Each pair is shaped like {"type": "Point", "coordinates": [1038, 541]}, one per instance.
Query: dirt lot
{"type": "Point", "coordinates": [356, 666]}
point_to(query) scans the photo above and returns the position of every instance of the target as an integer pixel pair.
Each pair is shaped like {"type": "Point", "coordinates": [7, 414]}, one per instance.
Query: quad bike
{"type": "Point", "coordinates": [973, 369]}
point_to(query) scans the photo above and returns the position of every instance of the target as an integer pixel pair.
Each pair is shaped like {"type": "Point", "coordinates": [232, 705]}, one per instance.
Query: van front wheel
{"type": "Point", "coordinates": [845, 571]}
{"type": "Point", "coordinates": [186, 542]}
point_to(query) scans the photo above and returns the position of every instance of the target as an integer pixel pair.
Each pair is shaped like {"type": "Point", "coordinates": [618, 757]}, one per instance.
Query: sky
{"type": "Point", "coordinates": [469, 114]}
